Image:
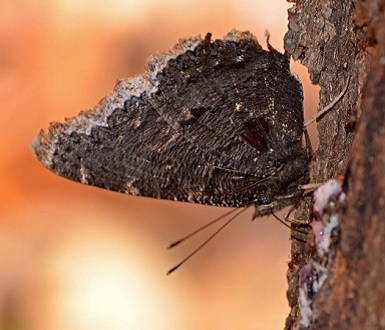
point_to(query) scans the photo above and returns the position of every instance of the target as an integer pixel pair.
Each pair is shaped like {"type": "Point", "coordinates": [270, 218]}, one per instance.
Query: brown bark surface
{"type": "Point", "coordinates": [340, 41]}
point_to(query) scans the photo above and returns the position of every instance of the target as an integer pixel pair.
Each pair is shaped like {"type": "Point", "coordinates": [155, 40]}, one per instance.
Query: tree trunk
{"type": "Point", "coordinates": [343, 42]}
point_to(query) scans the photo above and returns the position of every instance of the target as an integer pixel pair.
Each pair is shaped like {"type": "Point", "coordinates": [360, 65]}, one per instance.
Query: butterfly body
{"type": "Point", "coordinates": [212, 122]}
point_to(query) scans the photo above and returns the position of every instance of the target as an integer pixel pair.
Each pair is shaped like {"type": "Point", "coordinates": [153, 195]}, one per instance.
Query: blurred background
{"type": "Point", "coordinates": [78, 257]}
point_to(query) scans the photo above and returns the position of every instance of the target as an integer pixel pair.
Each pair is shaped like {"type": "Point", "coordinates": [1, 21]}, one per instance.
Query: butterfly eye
{"type": "Point", "coordinates": [264, 200]}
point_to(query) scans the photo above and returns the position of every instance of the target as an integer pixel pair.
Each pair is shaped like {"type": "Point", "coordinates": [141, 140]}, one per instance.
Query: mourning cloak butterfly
{"type": "Point", "coordinates": [213, 122]}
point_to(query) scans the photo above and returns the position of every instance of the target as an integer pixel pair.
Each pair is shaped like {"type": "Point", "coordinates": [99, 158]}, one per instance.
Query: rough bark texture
{"type": "Point", "coordinates": [354, 296]}
{"type": "Point", "coordinates": [336, 41]}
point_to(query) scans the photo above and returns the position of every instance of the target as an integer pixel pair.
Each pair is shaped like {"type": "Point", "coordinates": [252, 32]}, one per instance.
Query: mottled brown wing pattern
{"type": "Point", "coordinates": [214, 122]}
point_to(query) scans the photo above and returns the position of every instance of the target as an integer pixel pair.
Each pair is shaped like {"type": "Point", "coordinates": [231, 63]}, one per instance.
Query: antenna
{"type": "Point", "coordinates": [200, 229]}
{"type": "Point", "coordinates": [208, 239]}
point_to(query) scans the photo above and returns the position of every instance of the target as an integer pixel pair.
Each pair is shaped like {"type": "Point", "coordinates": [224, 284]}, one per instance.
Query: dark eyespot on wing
{"type": "Point", "coordinates": [256, 136]}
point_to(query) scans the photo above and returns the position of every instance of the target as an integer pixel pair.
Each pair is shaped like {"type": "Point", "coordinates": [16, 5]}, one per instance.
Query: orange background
{"type": "Point", "coordinates": [77, 257]}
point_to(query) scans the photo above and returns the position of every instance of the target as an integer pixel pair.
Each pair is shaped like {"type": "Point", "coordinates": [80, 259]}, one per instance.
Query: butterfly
{"type": "Point", "coordinates": [216, 122]}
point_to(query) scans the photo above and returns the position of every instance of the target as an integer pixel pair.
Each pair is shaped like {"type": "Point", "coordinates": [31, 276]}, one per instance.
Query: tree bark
{"type": "Point", "coordinates": [344, 42]}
